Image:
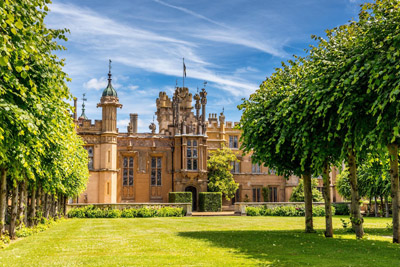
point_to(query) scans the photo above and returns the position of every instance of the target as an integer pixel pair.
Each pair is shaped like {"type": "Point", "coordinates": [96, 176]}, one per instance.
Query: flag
{"type": "Point", "coordinates": [184, 69]}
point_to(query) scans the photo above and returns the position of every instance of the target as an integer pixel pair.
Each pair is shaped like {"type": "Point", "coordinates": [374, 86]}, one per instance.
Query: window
{"type": "Point", "coordinates": [255, 168]}
{"type": "Point", "coordinates": [235, 167]}
{"type": "Point", "coordinates": [273, 194]}
{"type": "Point", "coordinates": [191, 155]}
{"type": "Point", "coordinates": [257, 194]}
{"type": "Point", "coordinates": [90, 152]}
{"type": "Point", "coordinates": [156, 171]}
{"type": "Point", "coordinates": [233, 141]}
{"type": "Point", "coordinates": [127, 176]}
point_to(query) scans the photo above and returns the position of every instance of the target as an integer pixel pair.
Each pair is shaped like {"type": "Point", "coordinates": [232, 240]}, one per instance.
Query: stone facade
{"type": "Point", "coordinates": [132, 167]}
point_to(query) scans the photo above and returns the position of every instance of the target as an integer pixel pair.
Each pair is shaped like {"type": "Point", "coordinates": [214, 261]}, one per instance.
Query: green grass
{"type": "Point", "coordinates": [202, 241]}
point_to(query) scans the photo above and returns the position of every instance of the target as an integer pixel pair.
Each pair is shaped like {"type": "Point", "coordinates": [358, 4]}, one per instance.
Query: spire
{"type": "Point", "coordinates": [83, 115]}
{"type": "Point", "coordinates": [109, 72]}
{"type": "Point", "coordinates": [109, 91]}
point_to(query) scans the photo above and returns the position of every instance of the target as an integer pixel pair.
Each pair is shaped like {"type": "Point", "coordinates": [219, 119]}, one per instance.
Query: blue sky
{"type": "Point", "coordinates": [233, 45]}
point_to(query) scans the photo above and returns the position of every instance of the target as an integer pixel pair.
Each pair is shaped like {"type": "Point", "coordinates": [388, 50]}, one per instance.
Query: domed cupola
{"type": "Point", "coordinates": [109, 91]}
{"type": "Point", "coordinates": [109, 103]}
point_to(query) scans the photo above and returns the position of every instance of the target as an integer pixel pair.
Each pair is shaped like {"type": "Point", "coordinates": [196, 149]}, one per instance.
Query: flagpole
{"type": "Point", "coordinates": [183, 73]}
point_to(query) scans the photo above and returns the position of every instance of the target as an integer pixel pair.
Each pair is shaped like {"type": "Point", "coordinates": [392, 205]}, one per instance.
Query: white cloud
{"type": "Point", "coordinates": [96, 84]}
{"type": "Point", "coordinates": [100, 84]}
{"type": "Point", "coordinates": [190, 12]}
{"type": "Point", "coordinates": [151, 51]}
{"type": "Point", "coordinates": [133, 87]}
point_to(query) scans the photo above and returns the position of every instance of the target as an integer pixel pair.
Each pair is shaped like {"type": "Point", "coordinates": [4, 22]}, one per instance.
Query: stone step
{"type": "Point", "coordinates": [209, 214]}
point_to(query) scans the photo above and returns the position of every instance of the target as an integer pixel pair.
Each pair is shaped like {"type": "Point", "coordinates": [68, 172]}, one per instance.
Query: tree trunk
{"type": "Point", "coordinates": [46, 206]}
{"type": "Point", "coordinates": [327, 198]}
{"type": "Point", "coordinates": [52, 206]}
{"type": "Point", "coordinates": [370, 206]}
{"type": "Point", "coordinates": [382, 206]}
{"type": "Point", "coordinates": [376, 206]}
{"type": "Point", "coordinates": [308, 202]}
{"type": "Point", "coordinates": [32, 208]}
{"type": "Point", "coordinates": [21, 206]}
{"type": "Point", "coordinates": [3, 200]}
{"type": "Point", "coordinates": [387, 207]}
{"type": "Point", "coordinates": [356, 218]}
{"type": "Point", "coordinates": [65, 206]}
{"type": "Point", "coordinates": [25, 203]}
{"type": "Point", "coordinates": [38, 204]}
{"type": "Point", "coordinates": [394, 175]}
{"type": "Point", "coordinates": [42, 201]}
{"type": "Point", "coordinates": [14, 210]}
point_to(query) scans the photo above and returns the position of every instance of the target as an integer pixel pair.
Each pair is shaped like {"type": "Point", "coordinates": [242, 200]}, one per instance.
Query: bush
{"type": "Point", "coordinates": [341, 208]}
{"type": "Point", "coordinates": [180, 197]}
{"type": "Point", "coordinates": [293, 211]}
{"type": "Point", "coordinates": [170, 212]}
{"type": "Point", "coordinates": [91, 212]}
{"type": "Point", "coordinates": [253, 211]}
{"type": "Point", "coordinates": [129, 213]}
{"type": "Point", "coordinates": [210, 201]}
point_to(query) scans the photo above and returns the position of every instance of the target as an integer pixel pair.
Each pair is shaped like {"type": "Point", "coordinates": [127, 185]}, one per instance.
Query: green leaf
{"type": "Point", "coordinates": [3, 61]}
{"type": "Point", "coordinates": [19, 24]}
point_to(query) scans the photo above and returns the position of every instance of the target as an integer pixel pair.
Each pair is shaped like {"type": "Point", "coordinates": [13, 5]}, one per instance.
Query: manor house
{"type": "Point", "coordinates": [127, 166]}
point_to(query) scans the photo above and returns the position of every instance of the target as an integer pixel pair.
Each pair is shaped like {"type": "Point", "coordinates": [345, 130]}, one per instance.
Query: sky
{"type": "Point", "coordinates": [232, 45]}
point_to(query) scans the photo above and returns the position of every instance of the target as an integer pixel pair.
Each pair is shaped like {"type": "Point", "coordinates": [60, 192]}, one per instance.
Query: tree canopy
{"type": "Point", "coordinates": [39, 147]}
{"type": "Point", "coordinates": [220, 178]}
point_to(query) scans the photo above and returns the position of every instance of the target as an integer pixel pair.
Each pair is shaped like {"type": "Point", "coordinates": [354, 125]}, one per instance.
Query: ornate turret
{"type": "Point", "coordinates": [109, 103]}
{"type": "Point", "coordinates": [109, 91]}
{"type": "Point", "coordinates": [203, 95]}
{"type": "Point", "coordinates": [108, 144]}
{"type": "Point", "coordinates": [83, 116]}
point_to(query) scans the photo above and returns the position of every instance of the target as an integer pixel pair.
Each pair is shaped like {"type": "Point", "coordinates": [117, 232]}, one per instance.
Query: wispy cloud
{"type": "Point", "coordinates": [137, 48]}
{"type": "Point", "coordinates": [192, 13]}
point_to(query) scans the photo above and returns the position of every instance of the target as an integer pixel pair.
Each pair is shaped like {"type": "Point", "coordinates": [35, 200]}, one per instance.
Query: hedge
{"type": "Point", "coordinates": [295, 211]}
{"type": "Point", "coordinates": [341, 208]}
{"type": "Point", "coordinates": [91, 212]}
{"type": "Point", "coordinates": [210, 201]}
{"type": "Point", "coordinates": [180, 197]}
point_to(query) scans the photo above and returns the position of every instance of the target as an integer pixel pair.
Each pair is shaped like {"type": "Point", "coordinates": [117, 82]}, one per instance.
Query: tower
{"type": "Point", "coordinates": [108, 144]}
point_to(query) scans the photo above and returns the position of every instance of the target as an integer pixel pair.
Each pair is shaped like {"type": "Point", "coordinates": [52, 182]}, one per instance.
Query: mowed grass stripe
{"type": "Point", "coordinates": [202, 241]}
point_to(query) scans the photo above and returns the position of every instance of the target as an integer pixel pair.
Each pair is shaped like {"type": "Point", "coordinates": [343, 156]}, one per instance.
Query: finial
{"type": "Point", "coordinates": [109, 69]}
{"type": "Point", "coordinates": [176, 83]}
{"type": "Point", "coordinates": [223, 110]}
{"type": "Point", "coordinates": [83, 115]}
{"type": "Point", "coordinates": [197, 89]}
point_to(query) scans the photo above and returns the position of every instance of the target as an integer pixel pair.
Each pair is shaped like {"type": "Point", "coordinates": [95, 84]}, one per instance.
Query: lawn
{"type": "Point", "coordinates": [202, 241]}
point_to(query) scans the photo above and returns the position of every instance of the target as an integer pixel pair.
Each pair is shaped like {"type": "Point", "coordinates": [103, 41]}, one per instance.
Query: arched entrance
{"type": "Point", "coordinates": [194, 196]}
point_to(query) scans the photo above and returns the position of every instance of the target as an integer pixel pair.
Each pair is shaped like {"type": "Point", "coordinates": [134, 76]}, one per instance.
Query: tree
{"type": "Point", "coordinates": [373, 181]}
{"type": "Point", "coordinates": [270, 127]}
{"type": "Point", "coordinates": [298, 192]}
{"type": "Point", "coordinates": [220, 178]}
{"type": "Point", "coordinates": [40, 151]}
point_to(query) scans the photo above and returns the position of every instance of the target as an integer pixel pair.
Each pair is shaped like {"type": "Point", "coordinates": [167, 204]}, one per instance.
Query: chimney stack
{"type": "Point", "coordinates": [133, 123]}
{"type": "Point", "coordinates": [75, 108]}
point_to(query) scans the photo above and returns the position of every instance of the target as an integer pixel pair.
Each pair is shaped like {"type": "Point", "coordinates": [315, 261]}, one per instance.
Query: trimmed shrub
{"type": "Point", "coordinates": [180, 197]}
{"type": "Point", "coordinates": [341, 208]}
{"type": "Point", "coordinates": [210, 201]}
{"type": "Point", "coordinates": [129, 213]}
{"type": "Point", "coordinates": [112, 213]}
{"type": "Point", "coordinates": [170, 212]}
{"type": "Point", "coordinates": [286, 211]}
{"type": "Point", "coordinates": [91, 212]}
{"type": "Point", "coordinates": [253, 211]}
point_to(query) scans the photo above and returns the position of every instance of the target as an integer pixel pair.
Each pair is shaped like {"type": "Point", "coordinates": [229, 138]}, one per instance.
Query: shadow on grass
{"type": "Point", "coordinates": [295, 248]}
